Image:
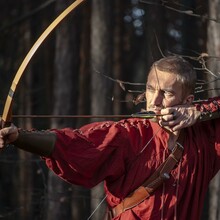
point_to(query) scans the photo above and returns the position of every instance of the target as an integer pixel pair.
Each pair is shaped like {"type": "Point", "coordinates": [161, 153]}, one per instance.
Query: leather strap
{"type": "Point", "coordinates": [153, 182]}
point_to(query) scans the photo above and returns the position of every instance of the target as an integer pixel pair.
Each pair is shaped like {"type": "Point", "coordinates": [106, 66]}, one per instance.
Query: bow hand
{"type": "Point", "coordinates": [8, 135]}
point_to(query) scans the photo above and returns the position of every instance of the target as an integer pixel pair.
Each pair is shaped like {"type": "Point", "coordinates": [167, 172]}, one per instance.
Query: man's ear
{"type": "Point", "coordinates": [189, 99]}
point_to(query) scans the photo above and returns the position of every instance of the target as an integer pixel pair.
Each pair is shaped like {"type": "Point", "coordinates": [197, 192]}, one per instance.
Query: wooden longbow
{"type": "Point", "coordinates": [7, 111]}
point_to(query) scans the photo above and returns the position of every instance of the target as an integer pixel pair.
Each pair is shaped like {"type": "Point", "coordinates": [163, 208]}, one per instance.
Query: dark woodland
{"type": "Point", "coordinates": [94, 63]}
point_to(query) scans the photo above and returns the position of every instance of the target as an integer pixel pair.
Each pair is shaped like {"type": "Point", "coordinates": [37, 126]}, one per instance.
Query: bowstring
{"type": "Point", "coordinates": [153, 136]}
{"type": "Point", "coordinates": [97, 207]}
{"type": "Point", "coordinates": [145, 146]}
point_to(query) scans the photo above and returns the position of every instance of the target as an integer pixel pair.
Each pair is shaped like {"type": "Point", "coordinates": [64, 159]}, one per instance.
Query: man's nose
{"type": "Point", "coordinates": [157, 99]}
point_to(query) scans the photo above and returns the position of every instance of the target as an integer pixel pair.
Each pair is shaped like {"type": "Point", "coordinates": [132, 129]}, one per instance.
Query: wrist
{"type": "Point", "coordinates": [209, 109]}
{"type": "Point", "coordinates": [38, 142]}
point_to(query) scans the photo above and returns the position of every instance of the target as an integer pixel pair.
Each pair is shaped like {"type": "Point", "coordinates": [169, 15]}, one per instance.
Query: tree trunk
{"type": "Point", "coordinates": [25, 176]}
{"type": "Point", "coordinates": [65, 102]}
{"type": "Point", "coordinates": [118, 54]}
{"type": "Point", "coordinates": [84, 74]}
{"type": "Point", "coordinates": [214, 66]}
{"type": "Point", "coordinates": [101, 63]}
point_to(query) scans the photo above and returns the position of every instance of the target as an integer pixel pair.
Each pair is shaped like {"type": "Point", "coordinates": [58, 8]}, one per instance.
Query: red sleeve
{"type": "Point", "coordinates": [91, 154]}
{"type": "Point", "coordinates": [210, 139]}
{"type": "Point", "coordinates": [216, 125]}
{"type": "Point", "coordinates": [209, 106]}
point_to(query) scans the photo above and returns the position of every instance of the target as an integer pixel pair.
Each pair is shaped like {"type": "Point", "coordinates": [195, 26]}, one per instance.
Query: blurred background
{"type": "Point", "coordinates": [95, 62]}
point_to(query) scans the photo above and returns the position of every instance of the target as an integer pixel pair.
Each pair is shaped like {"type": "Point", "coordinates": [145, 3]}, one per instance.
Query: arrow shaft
{"type": "Point", "coordinates": [146, 116]}
{"type": "Point", "coordinates": [71, 116]}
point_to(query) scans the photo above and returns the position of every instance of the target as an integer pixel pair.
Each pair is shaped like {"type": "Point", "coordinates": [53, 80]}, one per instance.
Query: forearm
{"type": "Point", "coordinates": [209, 109]}
{"type": "Point", "coordinates": [38, 142]}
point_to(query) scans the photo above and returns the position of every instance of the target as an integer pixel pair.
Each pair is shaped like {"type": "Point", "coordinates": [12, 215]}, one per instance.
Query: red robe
{"type": "Point", "coordinates": [110, 152]}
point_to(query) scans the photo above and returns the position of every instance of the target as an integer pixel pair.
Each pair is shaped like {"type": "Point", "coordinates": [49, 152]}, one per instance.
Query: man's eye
{"type": "Point", "coordinates": [166, 93]}
{"type": "Point", "coordinates": [150, 89]}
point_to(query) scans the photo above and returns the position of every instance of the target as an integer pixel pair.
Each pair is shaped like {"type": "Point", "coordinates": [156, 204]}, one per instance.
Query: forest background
{"type": "Point", "coordinates": [95, 62]}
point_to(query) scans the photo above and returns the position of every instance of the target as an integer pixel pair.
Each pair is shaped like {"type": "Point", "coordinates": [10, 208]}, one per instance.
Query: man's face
{"type": "Point", "coordinates": [162, 90]}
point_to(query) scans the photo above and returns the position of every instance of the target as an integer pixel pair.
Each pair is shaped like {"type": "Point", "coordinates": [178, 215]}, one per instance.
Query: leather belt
{"type": "Point", "coordinates": [152, 183]}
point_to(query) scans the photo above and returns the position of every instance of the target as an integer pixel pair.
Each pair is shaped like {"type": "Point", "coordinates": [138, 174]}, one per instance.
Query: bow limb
{"type": "Point", "coordinates": [7, 112]}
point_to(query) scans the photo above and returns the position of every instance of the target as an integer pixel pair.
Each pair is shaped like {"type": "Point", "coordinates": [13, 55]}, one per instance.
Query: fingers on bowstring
{"type": "Point", "coordinates": [170, 120]}
{"type": "Point", "coordinates": [173, 125]}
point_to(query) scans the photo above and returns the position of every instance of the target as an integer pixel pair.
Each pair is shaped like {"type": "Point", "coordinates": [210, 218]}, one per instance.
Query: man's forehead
{"type": "Point", "coordinates": [157, 77]}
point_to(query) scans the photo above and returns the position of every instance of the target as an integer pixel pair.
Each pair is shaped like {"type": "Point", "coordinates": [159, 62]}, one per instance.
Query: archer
{"type": "Point", "coordinates": [153, 169]}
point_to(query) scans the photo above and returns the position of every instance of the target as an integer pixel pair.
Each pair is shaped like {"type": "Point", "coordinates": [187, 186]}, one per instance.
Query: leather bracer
{"type": "Point", "coordinates": [37, 142]}
{"type": "Point", "coordinates": [210, 109]}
